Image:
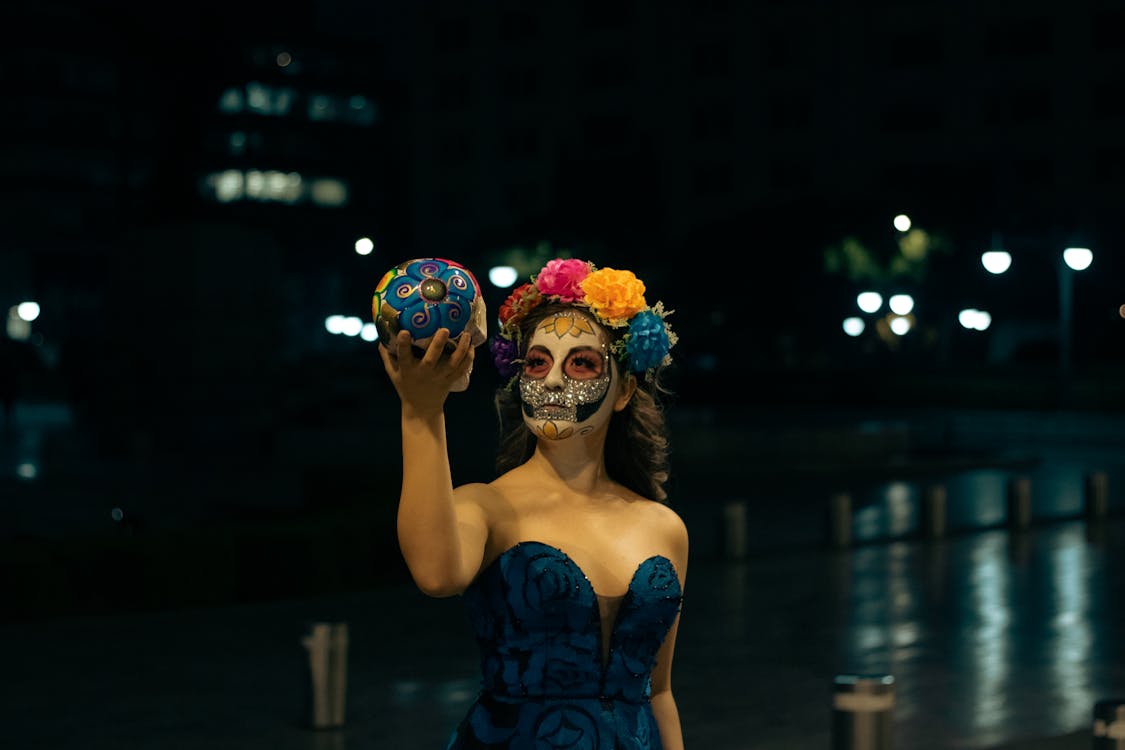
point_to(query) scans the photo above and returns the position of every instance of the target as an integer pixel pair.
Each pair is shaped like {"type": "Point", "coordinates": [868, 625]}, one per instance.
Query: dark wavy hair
{"type": "Point", "coordinates": [636, 446]}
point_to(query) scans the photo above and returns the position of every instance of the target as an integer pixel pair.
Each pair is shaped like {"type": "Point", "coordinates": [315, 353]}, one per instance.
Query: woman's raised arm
{"type": "Point", "coordinates": [442, 535]}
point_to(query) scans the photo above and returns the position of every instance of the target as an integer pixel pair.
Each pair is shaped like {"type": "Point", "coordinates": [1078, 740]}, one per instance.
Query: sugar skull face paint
{"type": "Point", "coordinates": [566, 377]}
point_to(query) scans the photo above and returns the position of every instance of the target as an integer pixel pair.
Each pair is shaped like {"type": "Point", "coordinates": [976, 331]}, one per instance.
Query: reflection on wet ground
{"type": "Point", "coordinates": [993, 637]}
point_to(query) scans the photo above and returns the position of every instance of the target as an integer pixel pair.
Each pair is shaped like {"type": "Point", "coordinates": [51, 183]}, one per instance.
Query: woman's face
{"type": "Point", "coordinates": [567, 382]}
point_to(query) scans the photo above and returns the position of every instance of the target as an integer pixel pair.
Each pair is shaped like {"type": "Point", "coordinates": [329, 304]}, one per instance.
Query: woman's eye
{"type": "Point", "coordinates": [536, 367]}
{"type": "Point", "coordinates": [584, 366]}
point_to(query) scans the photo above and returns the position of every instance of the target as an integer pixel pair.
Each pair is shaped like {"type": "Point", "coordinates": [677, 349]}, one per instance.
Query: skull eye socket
{"type": "Point", "coordinates": [537, 364]}
{"type": "Point", "coordinates": [584, 364]}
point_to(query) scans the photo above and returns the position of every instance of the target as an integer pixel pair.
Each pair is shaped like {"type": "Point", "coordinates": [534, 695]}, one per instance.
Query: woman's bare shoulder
{"type": "Point", "coordinates": [668, 522]}
{"type": "Point", "coordinates": [483, 494]}
{"type": "Point", "coordinates": [667, 527]}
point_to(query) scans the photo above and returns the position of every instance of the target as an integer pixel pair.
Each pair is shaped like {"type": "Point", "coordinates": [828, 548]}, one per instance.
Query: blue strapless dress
{"type": "Point", "coordinates": [545, 683]}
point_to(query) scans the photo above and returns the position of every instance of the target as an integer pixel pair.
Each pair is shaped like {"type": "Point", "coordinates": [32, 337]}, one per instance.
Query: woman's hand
{"type": "Point", "coordinates": [423, 384]}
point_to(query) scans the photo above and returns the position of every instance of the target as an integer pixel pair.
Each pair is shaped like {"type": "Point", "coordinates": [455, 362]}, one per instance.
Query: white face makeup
{"type": "Point", "coordinates": [566, 378]}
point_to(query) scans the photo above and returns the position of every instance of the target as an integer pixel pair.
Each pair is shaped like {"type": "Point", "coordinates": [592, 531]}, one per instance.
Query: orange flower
{"type": "Point", "coordinates": [614, 295]}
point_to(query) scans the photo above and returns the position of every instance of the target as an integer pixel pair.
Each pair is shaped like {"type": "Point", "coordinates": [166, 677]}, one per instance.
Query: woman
{"type": "Point", "coordinates": [571, 567]}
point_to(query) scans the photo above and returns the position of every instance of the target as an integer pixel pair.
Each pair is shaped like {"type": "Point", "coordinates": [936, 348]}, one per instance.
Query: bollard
{"type": "Point", "coordinates": [327, 644]}
{"type": "Point", "coordinates": [840, 520]}
{"type": "Point", "coordinates": [1019, 503]}
{"type": "Point", "coordinates": [934, 511]}
{"type": "Point", "coordinates": [1109, 725]}
{"type": "Point", "coordinates": [1097, 496]}
{"type": "Point", "coordinates": [862, 706]}
{"type": "Point", "coordinates": [734, 530]}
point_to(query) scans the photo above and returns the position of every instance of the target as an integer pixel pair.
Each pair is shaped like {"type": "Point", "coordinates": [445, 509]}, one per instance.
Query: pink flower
{"type": "Point", "coordinates": [563, 278]}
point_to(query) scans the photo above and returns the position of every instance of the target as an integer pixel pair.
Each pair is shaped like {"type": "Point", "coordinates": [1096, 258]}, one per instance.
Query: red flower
{"type": "Point", "coordinates": [519, 302]}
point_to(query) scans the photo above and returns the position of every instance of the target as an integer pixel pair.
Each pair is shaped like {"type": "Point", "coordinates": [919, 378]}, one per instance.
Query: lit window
{"type": "Point", "coordinates": [321, 107]}
{"type": "Point", "coordinates": [330, 192]}
{"type": "Point", "coordinates": [231, 101]}
{"type": "Point", "coordinates": [273, 186]}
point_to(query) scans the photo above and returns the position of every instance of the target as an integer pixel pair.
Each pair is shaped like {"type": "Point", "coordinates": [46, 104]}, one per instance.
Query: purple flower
{"type": "Point", "coordinates": [504, 353]}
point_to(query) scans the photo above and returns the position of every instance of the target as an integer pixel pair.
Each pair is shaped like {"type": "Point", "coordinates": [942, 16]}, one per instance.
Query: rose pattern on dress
{"type": "Point", "coordinates": [536, 619]}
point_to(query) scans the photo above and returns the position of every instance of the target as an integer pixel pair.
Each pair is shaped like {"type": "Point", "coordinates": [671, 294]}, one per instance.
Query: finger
{"type": "Point", "coordinates": [436, 347]}
{"type": "Point", "coordinates": [402, 347]}
{"type": "Point", "coordinates": [467, 365]}
{"type": "Point", "coordinates": [464, 346]}
{"type": "Point", "coordinates": [388, 361]}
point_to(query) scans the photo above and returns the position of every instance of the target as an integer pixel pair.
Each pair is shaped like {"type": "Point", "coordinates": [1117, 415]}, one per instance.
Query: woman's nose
{"type": "Point", "coordinates": [554, 378]}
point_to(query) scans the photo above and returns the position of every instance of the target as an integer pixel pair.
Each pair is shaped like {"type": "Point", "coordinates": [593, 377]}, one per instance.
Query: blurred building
{"type": "Point", "coordinates": [189, 187]}
{"type": "Point", "coordinates": [749, 135]}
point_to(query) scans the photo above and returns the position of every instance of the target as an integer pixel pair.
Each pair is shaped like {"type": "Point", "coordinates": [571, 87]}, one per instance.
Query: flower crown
{"type": "Point", "coordinates": [615, 299]}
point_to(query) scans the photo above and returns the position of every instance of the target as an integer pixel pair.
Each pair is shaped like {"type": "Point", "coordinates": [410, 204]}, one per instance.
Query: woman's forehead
{"type": "Point", "coordinates": [569, 329]}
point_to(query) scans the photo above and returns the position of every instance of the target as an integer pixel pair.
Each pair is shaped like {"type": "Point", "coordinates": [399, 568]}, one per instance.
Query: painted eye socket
{"type": "Point", "coordinates": [584, 365]}
{"type": "Point", "coordinates": [537, 365]}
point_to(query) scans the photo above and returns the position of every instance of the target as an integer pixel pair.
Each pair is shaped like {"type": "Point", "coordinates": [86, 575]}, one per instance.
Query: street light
{"type": "Point", "coordinates": [1073, 259]}
{"type": "Point", "coordinates": [854, 326]}
{"type": "Point", "coordinates": [1078, 258]}
{"type": "Point", "coordinates": [869, 302]}
{"type": "Point", "coordinates": [996, 261]}
{"type": "Point", "coordinates": [901, 304]}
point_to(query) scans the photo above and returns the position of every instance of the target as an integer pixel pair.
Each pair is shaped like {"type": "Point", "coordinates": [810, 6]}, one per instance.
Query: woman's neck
{"type": "Point", "coordinates": [577, 462]}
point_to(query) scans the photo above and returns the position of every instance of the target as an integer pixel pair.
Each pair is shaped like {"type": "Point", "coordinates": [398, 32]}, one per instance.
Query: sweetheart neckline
{"type": "Point", "coordinates": [572, 561]}
{"type": "Point", "coordinates": [605, 650]}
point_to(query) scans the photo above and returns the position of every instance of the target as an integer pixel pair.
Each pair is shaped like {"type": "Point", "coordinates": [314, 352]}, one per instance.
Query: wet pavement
{"type": "Point", "coordinates": [995, 638]}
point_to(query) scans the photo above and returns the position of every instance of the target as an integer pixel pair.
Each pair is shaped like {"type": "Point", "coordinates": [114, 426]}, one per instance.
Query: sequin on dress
{"type": "Point", "coordinates": [547, 679]}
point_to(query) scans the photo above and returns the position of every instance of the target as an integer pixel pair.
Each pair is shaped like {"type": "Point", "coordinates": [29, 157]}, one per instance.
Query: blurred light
{"type": "Point", "coordinates": [283, 59]}
{"type": "Point", "coordinates": [18, 328]}
{"type": "Point", "coordinates": [854, 326]}
{"type": "Point", "coordinates": [228, 185]}
{"type": "Point", "coordinates": [237, 142]}
{"type": "Point", "coordinates": [328, 191]}
{"type": "Point", "coordinates": [996, 261]}
{"type": "Point", "coordinates": [869, 302]}
{"type": "Point", "coordinates": [1121, 311]}
{"type": "Point", "coordinates": [27, 471]}
{"type": "Point", "coordinates": [900, 326]}
{"type": "Point", "coordinates": [364, 246]}
{"type": "Point", "coordinates": [320, 108]}
{"type": "Point", "coordinates": [901, 304]}
{"type": "Point", "coordinates": [257, 97]}
{"type": "Point", "coordinates": [351, 326]}
{"type": "Point", "coordinates": [255, 184]}
{"type": "Point", "coordinates": [1078, 258]}
{"type": "Point", "coordinates": [369, 332]}
{"type": "Point", "coordinates": [503, 276]}
{"type": "Point", "coordinates": [902, 222]}
{"type": "Point", "coordinates": [231, 101]}
{"type": "Point", "coordinates": [29, 311]}
{"type": "Point", "coordinates": [363, 110]}
{"type": "Point", "coordinates": [973, 319]}
{"type": "Point", "coordinates": [117, 514]}
{"type": "Point", "coordinates": [334, 323]}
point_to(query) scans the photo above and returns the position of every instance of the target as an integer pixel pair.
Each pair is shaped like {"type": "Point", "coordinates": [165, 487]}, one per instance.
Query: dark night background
{"type": "Point", "coordinates": [724, 151]}
{"type": "Point", "coordinates": [185, 185]}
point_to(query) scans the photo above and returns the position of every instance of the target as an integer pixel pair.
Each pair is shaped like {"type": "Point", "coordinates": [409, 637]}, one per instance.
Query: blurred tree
{"type": "Point", "coordinates": [907, 259]}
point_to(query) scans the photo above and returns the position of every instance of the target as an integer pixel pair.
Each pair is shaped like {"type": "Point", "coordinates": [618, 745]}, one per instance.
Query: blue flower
{"type": "Point", "coordinates": [648, 341]}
